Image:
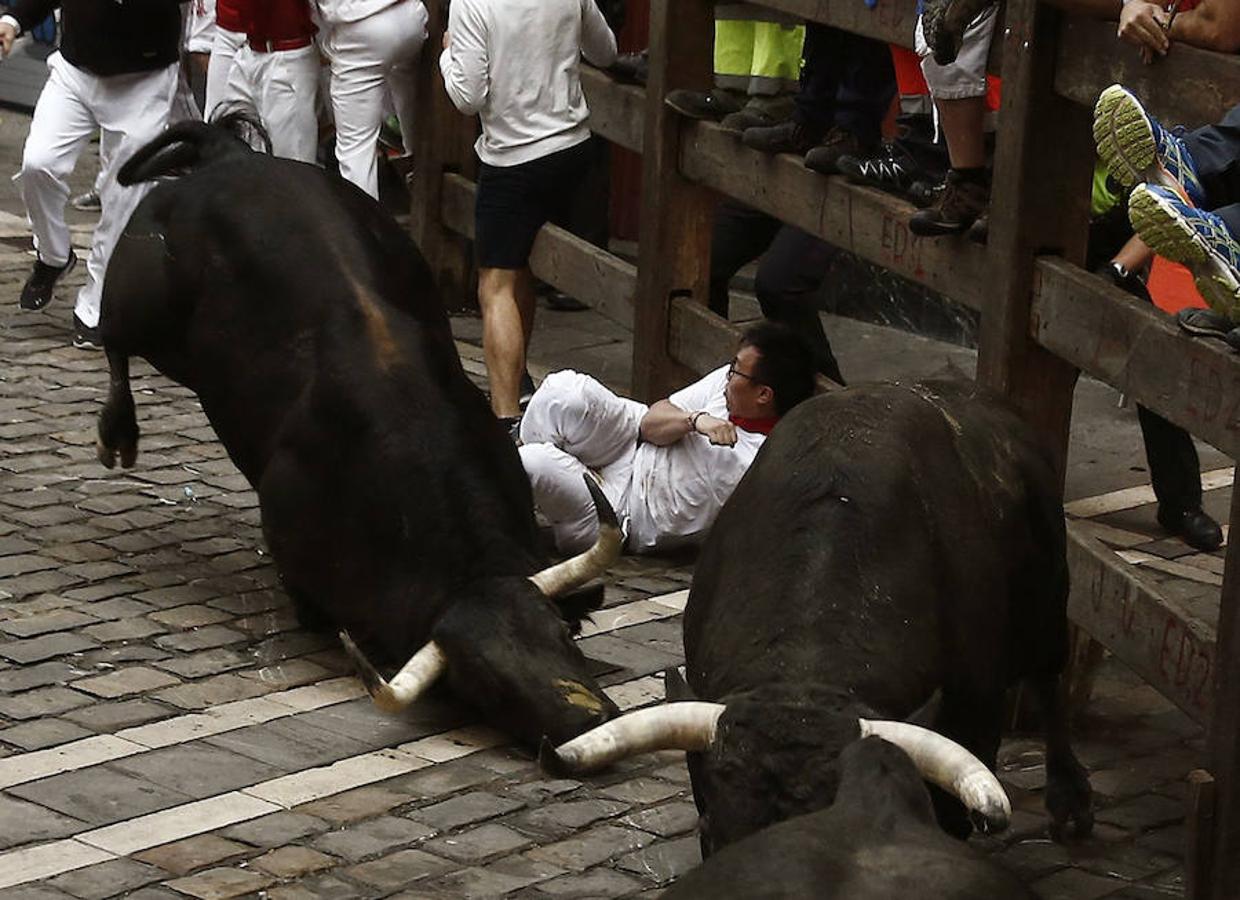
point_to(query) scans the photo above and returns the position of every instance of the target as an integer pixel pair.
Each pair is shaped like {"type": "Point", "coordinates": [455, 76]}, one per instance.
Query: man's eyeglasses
{"type": "Point", "coordinates": [732, 370]}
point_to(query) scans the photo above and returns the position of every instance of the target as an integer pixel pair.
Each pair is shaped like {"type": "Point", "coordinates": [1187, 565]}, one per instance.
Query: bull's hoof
{"type": "Point", "coordinates": [1069, 799]}
{"type": "Point", "coordinates": [106, 455]}
{"type": "Point", "coordinates": [129, 456]}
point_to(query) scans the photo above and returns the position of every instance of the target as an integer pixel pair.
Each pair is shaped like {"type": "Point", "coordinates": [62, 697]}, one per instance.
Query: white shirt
{"type": "Point", "coordinates": [334, 12]}
{"type": "Point", "coordinates": [516, 64]}
{"type": "Point", "coordinates": [677, 491]}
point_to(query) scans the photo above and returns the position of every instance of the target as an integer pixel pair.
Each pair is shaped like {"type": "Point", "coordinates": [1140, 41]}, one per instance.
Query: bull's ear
{"type": "Point", "coordinates": [578, 604]}
{"type": "Point", "coordinates": [675, 688]}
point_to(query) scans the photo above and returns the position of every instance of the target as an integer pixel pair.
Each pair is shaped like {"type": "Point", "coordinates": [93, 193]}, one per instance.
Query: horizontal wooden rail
{"type": "Point", "coordinates": [863, 220]}
{"type": "Point", "coordinates": [1161, 641]}
{"type": "Point", "coordinates": [617, 111]}
{"type": "Point", "coordinates": [578, 268]}
{"type": "Point", "coordinates": [1186, 87]}
{"type": "Point", "coordinates": [1194, 382]}
{"type": "Point", "coordinates": [891, 21]}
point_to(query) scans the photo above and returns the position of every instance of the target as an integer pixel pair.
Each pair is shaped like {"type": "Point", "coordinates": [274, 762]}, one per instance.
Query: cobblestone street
{"type": "Point", "coordinates": [167, 730]}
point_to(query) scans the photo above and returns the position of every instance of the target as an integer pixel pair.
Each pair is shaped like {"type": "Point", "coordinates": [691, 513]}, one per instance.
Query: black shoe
{"type": "Point", "coordinates": [926, 193]}
{"type": "Point", "coordinates": [631, 67]}
{"type": "Point", "coordinates": [37, 292]}
{"type": "Point", "coordinates": [711, 105]}
{"type": "Point", "coordinates": [888, 169]}
{"type": "Point", "coordinates": [84, 336]}
{"type": "Point", "coordinates": [837, 143]}
{"type": "Point", "coordinates": [979, 231]}
{"type": "Point", "coordinates": [527, 391]}
{"type": "Point", "coordinates": [512, 424]}
{"type": "Point", "coordinates": [1196, 528]}
{"type": "Point", "coordinates": [562, 302]}
{"type": "Point", "coordinates": [786, 137]}
{"type": "Point", "coordinates": [749, 117]}
{"type": "Point", "coordinates": [964, 199]}
{"type": "Point", "coordinates": [1205, 322]}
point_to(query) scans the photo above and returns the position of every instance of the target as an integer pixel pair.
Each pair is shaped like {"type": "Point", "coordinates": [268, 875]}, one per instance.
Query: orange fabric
{"type": "Point", "coordinates": [1171, 287]}
{"type": "Point", "coordinates": [909, 80]}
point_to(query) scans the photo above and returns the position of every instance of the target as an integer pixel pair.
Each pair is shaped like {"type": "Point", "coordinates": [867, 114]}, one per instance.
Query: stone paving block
{"type": "Point", "coordinates": [49, 646]}
{"type": "Point", "coordinates": [664, 861]}
{"type": "Point", "coordinates": [539, 791]}
{"type": "Point", "coordinates": [1073, 884]}
{"type": "Point", "coordinates": [444, 778]}
{"type": "Point", "coordinates": [221, 884]}
{"type": "Point", "coordinates": [288, 744]}
{"type": "Point", "coordinates": [109, 717]}
{"type": "Point", "coordinates": [33, 892]}
{"type": "Point", "coordinates": [196, 769]}
{"type": "Point", "coordinates": [591, 847]}
{"type": "Point", "coordinates": [39, 733]}
{"type": "Point", "coordinates": [665, 821]}
{"type": "Point", "coordinates": [193, 615]}
{"type": "Point", "coordinates": [132, 680]}
{"type": "Point", "coordinates": [292, 862]}
{"type": "Point", "coordinates": [464, 810]}
{"type": "Point", "coordinates": [124, 630]}
{"type": "Point", "coordinates": [276, 829]}
{"type": "Point", "coordinates": [322, 887]}
{"type": "Point", "coordinates": [206, 662]}
{"type": "Point", "coordinates": [211, 692]}
{"type": "Point", "coordinates": [594, 883]}
{"type": "Point", "coordinates": [351, 806]}
{"type": "Point", "coordinates": [24, 563]}
{"type": "Point", "coordinates": [46, 701]}
{"type": "Point", "coordinates": [478, 844]}
{"type": "Point", "coordinates": [374, 836]}
{"type": "Point", "coordinates": [1147, 811]}
{"type": "Point", "coordinates": [38, 583]}
{"type": "Point", "coordinates": [288, 673]}
{"type": "Point", "coordinates": [399, 869]}
{"type": "Point", "coordinates": [24, 823]}
{"type": "Point", "coordinates": [250, 603]}
{"type": "Point", "coordinates": [641, 791]}
{"type": "Point", "coordinates": [59, 620]}
{"type": "Point", "coordinates": [41, 675]}
{"type": "Point", "coordinates": [166, 598]}
{"type": "Point", "coordinates": [199, 639]}
{"type": "Point", "coordinates": [560, 819]}
{"type": "Point", "coordinates": [117, 608]}
{"type": "Point", "coordinates": [109, 879]}
{"type": "Point", "coordinates": [98, 795]}
{"type": "Point", "coordinates": [359, 720]}
{"type": "Point", "coordinates": [191, 854]}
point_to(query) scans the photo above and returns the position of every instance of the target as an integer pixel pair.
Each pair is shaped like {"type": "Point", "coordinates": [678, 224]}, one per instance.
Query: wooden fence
{"type": "Point", "coordinates": [1043, 318]}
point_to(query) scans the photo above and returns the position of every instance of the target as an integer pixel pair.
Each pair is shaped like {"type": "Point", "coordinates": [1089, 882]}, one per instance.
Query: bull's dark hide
{"type": "Point", "coordinates": [889, 541]}
{"type": "Point", "coordinates": [393, 502]}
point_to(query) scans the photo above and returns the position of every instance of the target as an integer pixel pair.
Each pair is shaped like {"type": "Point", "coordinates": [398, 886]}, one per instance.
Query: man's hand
{"type": "Point", "coordinates": [1143, 25]}
{"type": "Point", "coordinates": [447, 39]}
{"type": "Point", "coordinates": [719, 432]}
{"type": "Point", "coordinates": [8, 34]}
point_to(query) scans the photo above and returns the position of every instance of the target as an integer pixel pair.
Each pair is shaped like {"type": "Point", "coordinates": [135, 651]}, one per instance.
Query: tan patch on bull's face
{"type": "Point", "coordinates": [387, 353]}
{"type": "Point", "coordinates": [579, 695]}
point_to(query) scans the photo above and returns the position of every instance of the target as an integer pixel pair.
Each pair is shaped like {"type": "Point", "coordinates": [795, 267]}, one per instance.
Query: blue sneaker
{"type": "Point", "coordinates": [1135, 148]}
{"type": "Point", "coordinates": [1194, 238]}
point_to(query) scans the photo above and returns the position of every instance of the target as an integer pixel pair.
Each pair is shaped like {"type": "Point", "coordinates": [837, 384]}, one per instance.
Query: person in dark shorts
{"type": "Point", "coordinates": [515, 63]}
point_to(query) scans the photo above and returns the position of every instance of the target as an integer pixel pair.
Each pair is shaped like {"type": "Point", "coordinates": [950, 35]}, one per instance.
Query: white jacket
{"type": "Point", "coordinates": [516, 64]}
{"type": "Point", "coordinates": [333, 12]}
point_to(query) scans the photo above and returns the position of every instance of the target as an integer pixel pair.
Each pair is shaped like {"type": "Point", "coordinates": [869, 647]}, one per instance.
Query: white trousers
{"type": "Point", "coordinates": [575, 427]}
{"type": "Point", "coordinates": [366, 56]}
{"type": "Point", "coordinates": [219, 68]}
{"type": "Point", "coordinates": [281, 87]}
{"type": "Point", "coordinates": [130, 110]}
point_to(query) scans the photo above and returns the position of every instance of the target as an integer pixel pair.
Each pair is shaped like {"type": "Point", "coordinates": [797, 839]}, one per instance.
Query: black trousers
{"type": "Point", "coordinates": [792, 269]}
{"type": "Point", "coordinates": [1216, 155]}
{"type": "Point", "coordinates": [846, 80]}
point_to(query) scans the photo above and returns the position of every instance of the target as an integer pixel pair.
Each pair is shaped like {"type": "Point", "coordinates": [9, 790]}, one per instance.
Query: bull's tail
{"type": "Point", "coordinates": [187, 146]}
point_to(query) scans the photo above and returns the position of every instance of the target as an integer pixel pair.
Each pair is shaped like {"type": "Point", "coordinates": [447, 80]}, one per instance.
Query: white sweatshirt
{"type": "Point", "coordinates": [515, 63]}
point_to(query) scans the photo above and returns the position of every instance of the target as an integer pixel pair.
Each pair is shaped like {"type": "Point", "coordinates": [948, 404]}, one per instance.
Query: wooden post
{"type": "Point", "coordinates": [1043, 160]}
{"type": "Point", "coordinates": [444, 144]}
{"type": "Point", "coordinates": [1200, 823]}
{"type": "Point", "coordinates": [1218, 824]}
{"type": "Point", "coordinates": [674, 250]}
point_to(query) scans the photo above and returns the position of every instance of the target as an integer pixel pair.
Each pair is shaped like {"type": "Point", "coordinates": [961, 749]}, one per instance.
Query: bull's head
{"type": "Point", "coordinates": [506, 647]}
{"type": "Point", "coordinates": [754, 765]}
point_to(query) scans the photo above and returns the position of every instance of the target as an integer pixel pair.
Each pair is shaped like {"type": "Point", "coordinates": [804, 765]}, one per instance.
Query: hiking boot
{"type": "Point", "coordinates": [944, 22]}
{"type": "Point", "coordinates": [964, 198]}
{"type": "Point", "coordinates": [88, 202]}
{"type": "Point", "coordinates": [1191, 237]}
{"type": "Point", "coordinates": [838, 142]}
{"type": "Point", "coordinates": [37, 291]}
{"type": "Point", "coordinates": [889, 169]}
{"type": "Point", "coordinates": [979, 231]}
{"type": "Point", "coordinates": [925, 193]}
{"type": "Point", "coordinates": [86, 337]}
{"type": "Point", "coordinates": [1135, 148]}
{"type": "Point", "coordinates": [792, 136]}
{"type": "Point", "coordinates": [1193, 526]}
{"type": "Point", "coordinates": [1204, 323]}
{"type": "Point", "coordinates": [710, 105]}
{"type": "Point", "coordinates": [631, 67]}
{"type": "Point", "coordinates": [760, 112]}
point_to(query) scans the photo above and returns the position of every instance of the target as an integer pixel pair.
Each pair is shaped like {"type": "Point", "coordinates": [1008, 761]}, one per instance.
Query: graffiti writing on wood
{"type": "Point", "coordinates": [1185, 663]}
{"type": "Point", "coordinates": [900, 245]}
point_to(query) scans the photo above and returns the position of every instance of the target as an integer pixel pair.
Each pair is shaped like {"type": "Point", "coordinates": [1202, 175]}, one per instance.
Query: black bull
{"type": "Point", "coordinates": [394, 504]}
{"type": "Point", "coordinates": [889, 544]}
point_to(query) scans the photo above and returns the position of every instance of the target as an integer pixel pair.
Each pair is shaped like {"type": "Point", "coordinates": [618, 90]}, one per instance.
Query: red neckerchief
{"type": "Point", "coordinates": [760, 426]}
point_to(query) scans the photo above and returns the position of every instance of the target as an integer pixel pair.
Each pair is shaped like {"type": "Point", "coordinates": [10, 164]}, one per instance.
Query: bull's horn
{"type": "Point", "coordinates": [406, 685]}
{"type": "Point", "coordinates": [942, 761]}
{"type": "Point", "coordinates": [573, 573]}
{"type": "Point", "coordinates": [673, 726]}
